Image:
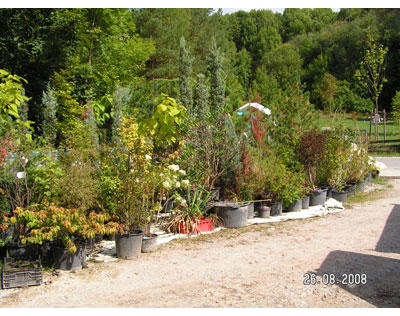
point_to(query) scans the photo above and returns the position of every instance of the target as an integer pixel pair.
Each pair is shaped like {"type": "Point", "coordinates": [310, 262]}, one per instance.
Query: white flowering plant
{"type": "Point", "coordinates": [146, 182]}
{"type": "Point", "coordinates": [144, 191]}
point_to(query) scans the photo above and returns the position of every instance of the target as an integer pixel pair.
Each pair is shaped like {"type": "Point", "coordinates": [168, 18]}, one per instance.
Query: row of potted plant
{"type": "Point", "coordinates": [329, 161]}
{"type": "Point", "coordinates": [143, 187]}
{"type": "Point", "coordinates": [61, 194]}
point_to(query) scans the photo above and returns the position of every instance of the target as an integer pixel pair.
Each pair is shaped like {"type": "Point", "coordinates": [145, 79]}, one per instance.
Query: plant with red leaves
{"type": "Point", "coordinates": [311, 151]}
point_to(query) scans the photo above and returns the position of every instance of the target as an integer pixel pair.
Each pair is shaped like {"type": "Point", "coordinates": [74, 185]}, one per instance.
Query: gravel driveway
{"type": "Point", "coordinates": [258, 266]}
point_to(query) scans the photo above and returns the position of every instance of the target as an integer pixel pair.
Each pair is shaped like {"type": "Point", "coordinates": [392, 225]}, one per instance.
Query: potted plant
{"type": "Point", "coordinates": [211, 152]}
{"type": "Point", "coordinates": [68, 228]}
{"type": "Point", "coordinates": [312, 151]}
{"type": "Point", "coordinates": [305, 202]}
{"type": "Point", "coordinates": [266, 178]}
{"type": "Point", "coordinates": [133, 187]}
{"type": "Point", "coordinates": [336, 164]}
{"type": "Point", "coordinates": [145, 181]}
{"type": "Point", "coordinates": [190, 214]}
{"type": "Point", "coordinates": [162, 184]}
{"type": "Point", "coordinates": [338, 186]}
{"type": "Point", "coordinates": [246, 181]}
{"type": "Point", "coordinates": [294, 190]}
{"type": "Point", "coordinates": [357, 167]}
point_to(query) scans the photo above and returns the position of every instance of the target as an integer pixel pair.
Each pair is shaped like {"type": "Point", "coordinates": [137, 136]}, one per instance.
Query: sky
{"type": "Point", "coordinates": [231, 10]}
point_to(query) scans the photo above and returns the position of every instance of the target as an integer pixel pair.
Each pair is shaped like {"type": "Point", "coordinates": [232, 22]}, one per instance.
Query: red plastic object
{"type": "Point", "coordinates": [204, 224]}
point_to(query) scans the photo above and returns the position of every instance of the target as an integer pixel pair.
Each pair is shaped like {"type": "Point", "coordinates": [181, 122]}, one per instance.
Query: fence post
{"type": "Point", "coordinates": [376, 125]}
{"type": "Point", "coordinates": [370, 124]}
{"type": "Point", "coordinates": [384, 125]}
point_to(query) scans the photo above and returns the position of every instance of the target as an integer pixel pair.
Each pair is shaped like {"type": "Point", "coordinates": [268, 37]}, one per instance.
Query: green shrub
{"type": "Point", "coordinates": [396, 108]}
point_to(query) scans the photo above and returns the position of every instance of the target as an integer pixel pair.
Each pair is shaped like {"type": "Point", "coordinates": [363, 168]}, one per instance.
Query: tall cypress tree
{"type": "Point", "coordinates": [200, 102]}
{"type": "Point", "coordinates": [49, 104]}
{"type": "Point", "coordinates": [120, 98]}
{"type": "Point", "coordinates": [23, 109]}
{"type": "Point", "coordinates": [91, 126]}
{"type": "Point", "coordinates": [217, 90]}
{"type": "Point", "coordinates": [185, 70]}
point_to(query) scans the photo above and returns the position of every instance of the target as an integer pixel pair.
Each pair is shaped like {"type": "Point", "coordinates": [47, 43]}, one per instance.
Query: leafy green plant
{"type": "Point", "coordinates": [292, 116]}
{"type": "Point", "coordinates": [142, 184]}
{"type": "Point", "coordinates": [211, 154]}
{"type": "Point", "coordinates": [165, 124]}
{"type": "Point", "coordinates": [294, 187]}
{"type": "Point", "coordinates": [3, 242]}
{"type": "Point", "coordinates": [396, 108]}
{"type": "Point", "coordinates": [334, 169]}
{"type": "Point", "coordinates": [10, 94]}
{"type": "Point", "coordinates": [273, 180]}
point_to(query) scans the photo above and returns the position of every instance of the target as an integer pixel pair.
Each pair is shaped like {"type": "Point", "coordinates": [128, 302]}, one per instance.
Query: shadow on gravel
{"type": "Point", "coordinates": [382, 287]}
{"type": "Point", "coordinates": [390, 237]}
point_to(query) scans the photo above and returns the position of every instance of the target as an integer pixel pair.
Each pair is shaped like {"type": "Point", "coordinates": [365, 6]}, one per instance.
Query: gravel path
{"type": "Point", "coordinates": [258, 266]}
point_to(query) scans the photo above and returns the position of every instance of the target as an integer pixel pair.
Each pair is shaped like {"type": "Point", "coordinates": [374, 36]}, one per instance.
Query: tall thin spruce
{"type": "Point", "coordinates": [185, 70]}
{"type": "Point", "coordinates": [49, 103]}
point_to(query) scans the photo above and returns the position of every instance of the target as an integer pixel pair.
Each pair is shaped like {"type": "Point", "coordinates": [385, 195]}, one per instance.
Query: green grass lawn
{"type": "Point", "coordinates": [362, 122]}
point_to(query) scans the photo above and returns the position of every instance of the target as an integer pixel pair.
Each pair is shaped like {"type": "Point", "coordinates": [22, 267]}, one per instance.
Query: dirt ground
{"type": "Point", "coordinates": [258, 266]}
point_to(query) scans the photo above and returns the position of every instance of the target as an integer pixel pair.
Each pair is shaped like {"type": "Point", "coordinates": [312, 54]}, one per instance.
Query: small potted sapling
{"type": "Point", "coordinates": [246, 180]}
{"type": "Point", "coordinates": [135, 188]}
{"type": "Point", "coordinates": [337, 162]}
{"type": "Point", "coordinates": [294, 190]}
{"type": "Point", "coordinates": [269, 178]}
{"type": "Point", "coordinates": [163, 184]}
{"type": "Point", "coordinates": [357, 167]}
{"type": "Point", "coordinates": [312, 151]}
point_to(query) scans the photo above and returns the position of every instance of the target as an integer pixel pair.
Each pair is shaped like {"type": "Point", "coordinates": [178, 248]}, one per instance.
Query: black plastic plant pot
{"type": "Point", "coordinates": [339, 196]}
{"type": "Point", "coordinates": [276, 208]}
{"type": "Point", "coordinates": [329, 193]}
{"type": "Point", "coordinates": [250, 209]}
{"type": "Point", "coordinates": [264, 211]}
{"type": "Point", "coordinates": [305, 202]}
{"type": "Point", "coordinates": [22, 252]}
{"type": "Point", "coordinates": [90, 243]}
{"type": "Point", "coordinates": [232, 214]}
{"type": "Point", "coordinates": [351, 189]}
{"type": "Point", "coordinates": [318, 197]}
{"type": "Point", "coordinates": [360, 187]}
{"type": "Point", "coordinates": [3, 252]}
{"type": "Point", "coordinates": [295, 206]}
{"type": "Point", "coordinates": [64, 260]}
{"type": "Point", "coordinates": [109, 237]}
{"type": "Point", "coordinates": [129, 245]}
{"type": "Point", "coordinates": [150, 244]}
